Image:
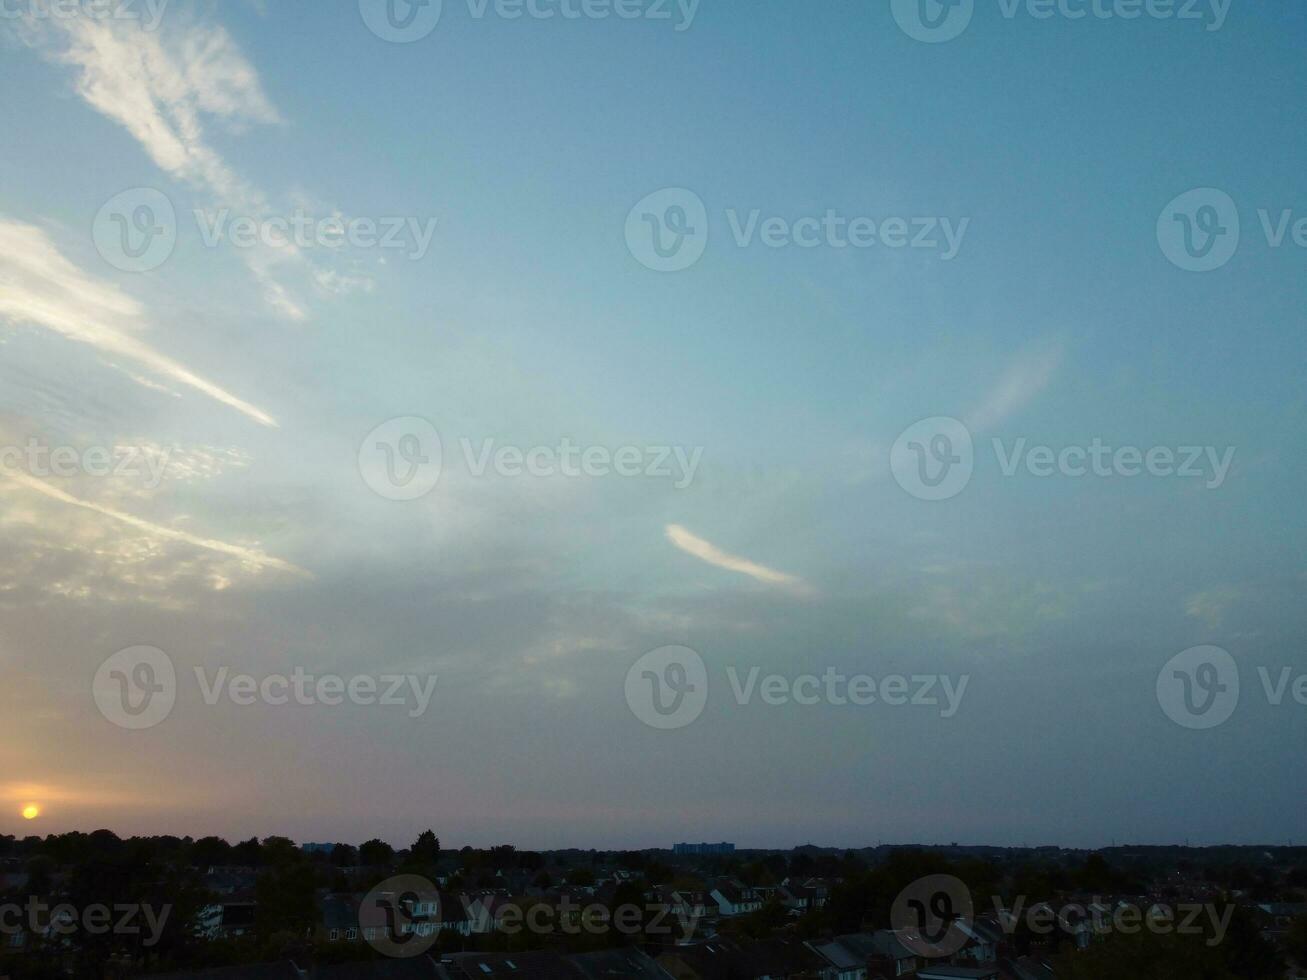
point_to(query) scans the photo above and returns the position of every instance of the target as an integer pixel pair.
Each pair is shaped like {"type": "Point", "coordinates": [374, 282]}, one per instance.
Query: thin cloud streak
{"type": "Point", "coordinates": [252, 556]}
{"type": "Point", "coordinates": [39, 286]}
{"type": "Point", "coordinates": [1028, 375]}
{"type": "Point", "coordinates": [708, 552]}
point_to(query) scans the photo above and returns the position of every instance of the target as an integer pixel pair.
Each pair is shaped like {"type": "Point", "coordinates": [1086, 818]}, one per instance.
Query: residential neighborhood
{"type": "Point", "coordinates": [271, 908]}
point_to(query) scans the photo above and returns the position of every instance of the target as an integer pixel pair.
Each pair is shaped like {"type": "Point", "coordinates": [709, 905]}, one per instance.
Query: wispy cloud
{"type": "Point", "coordinates": [40, 287]}
{"type": "Point", "coordinates": [250, 556]}
{"type": "Point", "coordinates": [708, 552]}
{"type": "Point", "coordinates": [161, 92]}
{"type": "Point", "coordinates": [1028, 374]}
{"type": "Point", "coordinates": [163, 87]}
{"type": "Point", "coordinates": [1213, 605]}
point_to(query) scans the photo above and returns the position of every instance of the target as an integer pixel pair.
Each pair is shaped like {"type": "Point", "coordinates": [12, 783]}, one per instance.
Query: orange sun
{"type": "Point", "coordinates": [31, 811]}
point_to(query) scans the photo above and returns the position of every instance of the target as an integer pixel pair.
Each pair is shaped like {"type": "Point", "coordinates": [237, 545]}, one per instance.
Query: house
{"type": "Point", "coordinates": [339, 921]}
{"type": "Point", "coordinates": [626, 962]}
{"type": "Point", "coordinates": [256, 971]}
{"type": "Point", "coordinates": [984, 938]}
{"type": "Point", "coordinates": [415, 968]}
{"type": "Point", "coordinates": [519, 966]}
{"type": "Point", "coordinates": [958, 973]}
{"type": "Point", "coordinates": [841, 962]}
{"type": "Point", "coordinates": [231, 917]}
{"type": "Point", "coordinates": [424, 914]}
{"type": "Point", "coordinates": [1028, 968]}
{"type": "Point", "coordinates": [726, 959]}
{"type": "Point", "coordinates": [692, 906]}
{"type": "Point", "coordinates": [733, 897]}
{"type": "Point", "coordinates": [886, 953]}
{"type": "Point", "coordinates": [796, 899]}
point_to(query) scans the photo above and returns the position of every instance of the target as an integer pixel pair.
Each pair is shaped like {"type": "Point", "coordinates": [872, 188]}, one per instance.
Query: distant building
{"type": "Point", "coordinates": [722, 848]}
{"type": "Point", "coordinates": [317, 848]}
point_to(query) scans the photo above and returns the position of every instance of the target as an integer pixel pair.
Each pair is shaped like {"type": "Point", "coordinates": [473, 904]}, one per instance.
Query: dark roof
{"type": "Point", "coordinates": [957, 973]}
{"type": "Point", "coordinates": [238, 915]}
{"type": "Point", "coordinates": [629, 962]}
{"type": "Point", "coordinates": [525, 966]}
{"type": "Point", "coordinates": [730, 959]}
{"type": "Point", "coordinates": [1029, 968]}
{"type": "Point", "coordinates": [840, 956]}
{"type": "Point", "coordinates": [256, 971]}
{"type": "Point", "coordinates": [340, 912]}
{"type": "Point", "coordinates": [416, 968]}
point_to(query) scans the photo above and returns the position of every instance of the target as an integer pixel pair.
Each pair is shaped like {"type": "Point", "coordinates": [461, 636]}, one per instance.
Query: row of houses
{"type": "Point", "coordinates": [858, 956]}
{"type": "Point", "coordinates": [466, 913]}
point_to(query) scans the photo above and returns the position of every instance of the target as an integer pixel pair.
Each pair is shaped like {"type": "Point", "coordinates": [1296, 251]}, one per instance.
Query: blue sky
{"type": "Point", "coordinates": [259, 374]}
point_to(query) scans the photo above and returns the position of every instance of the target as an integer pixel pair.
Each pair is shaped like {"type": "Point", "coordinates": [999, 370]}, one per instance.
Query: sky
{"type": "Point", "coordinates": [637, 378]}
